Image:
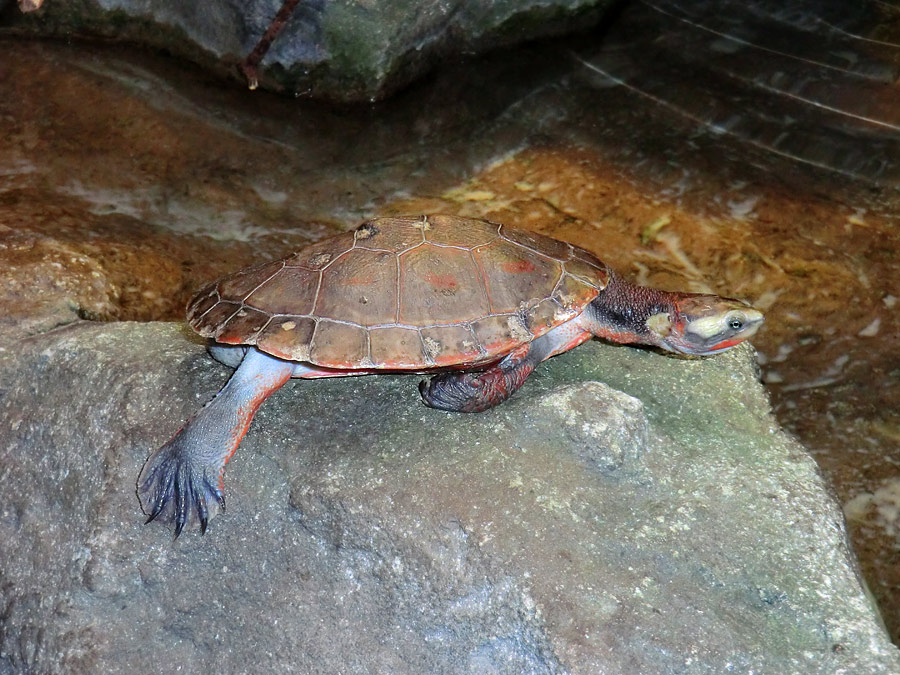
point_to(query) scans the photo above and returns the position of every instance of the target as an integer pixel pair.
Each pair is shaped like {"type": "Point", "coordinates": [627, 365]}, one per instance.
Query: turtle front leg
{"type": "Point", "coordinates": [185, 477]}
{"type": "Point", "coordinates": [478, 391]}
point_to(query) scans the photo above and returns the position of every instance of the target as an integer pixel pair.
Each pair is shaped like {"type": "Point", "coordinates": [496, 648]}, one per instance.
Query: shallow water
{"type": "Point", "coordinates": [746, 152]}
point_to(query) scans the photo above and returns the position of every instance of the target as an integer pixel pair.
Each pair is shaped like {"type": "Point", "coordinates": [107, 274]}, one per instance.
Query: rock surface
{"type": "Point", "coordinates": [344, 50]}
{"type": "Point", "coordinates": [367, 533]}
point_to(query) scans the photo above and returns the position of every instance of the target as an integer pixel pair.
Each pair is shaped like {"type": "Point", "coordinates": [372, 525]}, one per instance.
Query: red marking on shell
{"type": "Point", "coordinates": [518, 266]}
{"type": "Point", "coordinates": [442, 282]}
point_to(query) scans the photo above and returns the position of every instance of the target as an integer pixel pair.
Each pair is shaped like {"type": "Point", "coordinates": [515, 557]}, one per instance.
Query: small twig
{"type": "Point", "coordinates": [249, 65]}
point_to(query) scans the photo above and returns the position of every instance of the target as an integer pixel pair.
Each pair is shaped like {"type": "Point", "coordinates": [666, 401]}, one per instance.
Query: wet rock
{"type": "Point", "coordinates": [367, 533]}
{"type": "Point", "coordinates": [61, 260]}
{"type": "Point", "coordinates": [338, 49]}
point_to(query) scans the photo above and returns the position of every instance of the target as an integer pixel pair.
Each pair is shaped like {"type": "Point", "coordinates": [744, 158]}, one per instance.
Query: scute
{"type": "Point", "coordinates": [360, 286]}
{"type": "Point", "coordinates": [205, 299]}
{"type": "Point", "coordinates": [287, 337]}
{"type": "Point", "coordinates": [211, 322]}
{"type": "Point", "coordinates": [516, 275]}
{"type": "Point", "coordinates": [548, 246]}
{"type": "Point", "coordinates": [246, 321]}
{"type": "Point", "coordinates": [319, 255]}
{"type": "Point", "coordinates": [291, 290]}
{"type": "Point", "coordinates": [339, 345]}
{"type": "Point", "coordinates": [572, 294]}
{"type": "Point", "coordinates": [240, 284]}
{"type": "Point", "coordinates": [390, 234]}
{"type": "Point", "coordinates": [403, 293]}
{"type": "Point", "coordinates": [396, 347]}
{"type": "Point", "coordinates": [439, 286]}
{"type": "Point", "coordinates": [449, 345]}
{"type": "Point", "coordinates": [457, 231]}
{"type": "Point", "coordinates": [590, 272]}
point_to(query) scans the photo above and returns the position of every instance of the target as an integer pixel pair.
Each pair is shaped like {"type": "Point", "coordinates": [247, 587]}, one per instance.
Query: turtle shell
{"type": "Point", "coordinates": [403, 294]}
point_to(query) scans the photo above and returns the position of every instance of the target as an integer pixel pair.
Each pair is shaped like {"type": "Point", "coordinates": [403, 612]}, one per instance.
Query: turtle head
{"type": "Point", "coordinates": [704, 324]}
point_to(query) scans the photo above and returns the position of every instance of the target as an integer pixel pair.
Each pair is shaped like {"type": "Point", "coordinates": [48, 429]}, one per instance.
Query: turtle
{"type": "Point", "coordinates": [475, 304]}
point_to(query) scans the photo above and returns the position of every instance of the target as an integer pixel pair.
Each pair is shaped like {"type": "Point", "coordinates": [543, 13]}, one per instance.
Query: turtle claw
{"type": "Point", "coordinates": [174, 487]}
{"type": "Point", "coordinates": [203, 512]}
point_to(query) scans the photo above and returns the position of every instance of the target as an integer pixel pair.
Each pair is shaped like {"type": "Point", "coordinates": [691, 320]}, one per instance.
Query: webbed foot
{"type": "Point", "coordinates": [175, 486]}
{"type": "Point", "coordinates": [456, 392]}
{"type": "Point", "coordinates": [478, 391]}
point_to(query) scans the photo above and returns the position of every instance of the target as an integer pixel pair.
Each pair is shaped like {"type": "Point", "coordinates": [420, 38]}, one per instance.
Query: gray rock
{"type": "Point", "coordinates": [340, 49]}
{"type": "Point", "coordinates": [576, 528]}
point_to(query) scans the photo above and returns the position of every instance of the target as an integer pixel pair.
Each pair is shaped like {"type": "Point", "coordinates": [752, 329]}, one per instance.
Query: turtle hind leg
{"type": "Point", "coordinates": [183, 480]}
{"type": "Point", "coordinates": [478, 391]}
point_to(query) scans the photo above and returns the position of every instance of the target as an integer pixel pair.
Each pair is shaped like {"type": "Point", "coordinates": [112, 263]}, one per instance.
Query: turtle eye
{"type": "Point", "coordinates": [735, 324]}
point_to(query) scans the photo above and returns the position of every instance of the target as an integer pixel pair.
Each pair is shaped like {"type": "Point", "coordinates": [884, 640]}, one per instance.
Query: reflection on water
{"type": "Point", "coordinates": [749, 150]}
